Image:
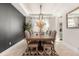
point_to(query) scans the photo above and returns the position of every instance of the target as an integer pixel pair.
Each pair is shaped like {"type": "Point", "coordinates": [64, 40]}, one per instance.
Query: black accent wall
{"type": "Point", "coordinates": [11, 26]}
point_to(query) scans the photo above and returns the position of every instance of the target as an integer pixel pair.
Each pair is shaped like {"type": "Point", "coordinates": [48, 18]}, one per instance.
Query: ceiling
{"type": "Point", "coordinates": [56, 9]}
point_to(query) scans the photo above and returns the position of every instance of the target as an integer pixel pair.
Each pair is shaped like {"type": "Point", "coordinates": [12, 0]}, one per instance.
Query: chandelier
{"type": "Point", "coordinates": [40, 23]}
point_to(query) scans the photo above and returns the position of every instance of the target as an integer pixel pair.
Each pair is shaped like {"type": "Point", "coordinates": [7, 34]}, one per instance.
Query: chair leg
{"type": "Point", "coordinates": [33, 52]}
{"type": "Point", "coordinates": [51, 50]}
{"type": "Point", "coordinates": [27, 52]}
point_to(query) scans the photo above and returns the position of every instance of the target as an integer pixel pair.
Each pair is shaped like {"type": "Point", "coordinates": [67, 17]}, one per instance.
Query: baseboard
{"type": "Point", "coordinates": [71, 47]}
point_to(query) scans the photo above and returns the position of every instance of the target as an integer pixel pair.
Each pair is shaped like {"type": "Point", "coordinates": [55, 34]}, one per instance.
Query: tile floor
{"type": "Point", "coordinates": [19, 48]}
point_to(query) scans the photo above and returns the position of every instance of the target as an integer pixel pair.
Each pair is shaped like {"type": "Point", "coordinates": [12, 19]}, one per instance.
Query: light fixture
{"type": "Point", "coordinates": [40, 15]}
{"type": "Point", "coordinates": [40, 22]}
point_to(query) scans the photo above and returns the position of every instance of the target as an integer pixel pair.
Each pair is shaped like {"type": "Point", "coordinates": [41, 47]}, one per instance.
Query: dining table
{"type": "Point", "coordinates": [40, 38]}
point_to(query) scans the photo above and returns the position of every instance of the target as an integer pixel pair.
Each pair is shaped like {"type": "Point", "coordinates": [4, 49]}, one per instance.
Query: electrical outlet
{"type": "Point", "coordinates": [10, 43]}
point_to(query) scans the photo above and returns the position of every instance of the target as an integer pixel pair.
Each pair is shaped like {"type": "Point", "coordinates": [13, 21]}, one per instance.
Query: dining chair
{"type": "Point", "coordinates": [53, 41]}
{"type": "Point", "coordinates": [32, 46]}
{"type": "Point", "coordinates": [50, 32]}
{"type": "Point", "coordinates": [53, 35]}
{"type": "Point", "coordinates": [50, 44]}
{"type": "Point", "coordinates": [27, 34]}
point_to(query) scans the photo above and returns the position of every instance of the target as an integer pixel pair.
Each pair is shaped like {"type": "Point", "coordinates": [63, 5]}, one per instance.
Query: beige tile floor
{"type": "Point", "coordinates": [19, 48]}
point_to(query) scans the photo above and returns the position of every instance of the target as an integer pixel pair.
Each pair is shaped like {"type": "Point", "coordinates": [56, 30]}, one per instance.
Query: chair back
{"type": "Point", "coordinates": [50, 33]}
{"type": "Point", "coordinates": [27, 35]}
{"type": "Point", "coordinates": [54, 35]}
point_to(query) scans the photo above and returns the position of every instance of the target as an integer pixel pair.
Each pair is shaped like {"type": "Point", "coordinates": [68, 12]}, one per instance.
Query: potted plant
{"type": "Point", "coordinates": [28, 27]}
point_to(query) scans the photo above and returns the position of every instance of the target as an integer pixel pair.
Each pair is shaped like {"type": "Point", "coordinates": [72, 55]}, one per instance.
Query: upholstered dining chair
{"type": "Point", "coordinates": [32, 46]}
{"type": "Point", "coordinates": [50, 45]}
{"type": "Point", "coordinates": [27, 35]}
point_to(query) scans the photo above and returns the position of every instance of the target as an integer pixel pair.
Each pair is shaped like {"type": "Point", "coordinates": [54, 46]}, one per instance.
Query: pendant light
{"type": "Point", "coordinates": [40, 15]}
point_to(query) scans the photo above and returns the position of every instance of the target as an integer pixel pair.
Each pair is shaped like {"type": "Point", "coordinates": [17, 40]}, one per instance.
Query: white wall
{"type": "Point", "coordinates": [28, 19]}
{"type": "Point", "coordinates": [52, 25]}
{"type": "Point", "coordinates": [58, 20]}
{"type": "Point", "coordinates": [70, 36]}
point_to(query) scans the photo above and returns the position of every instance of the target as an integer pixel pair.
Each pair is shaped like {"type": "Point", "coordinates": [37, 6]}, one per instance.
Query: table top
{"type": "Point", "coordinates": [42, 38]}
